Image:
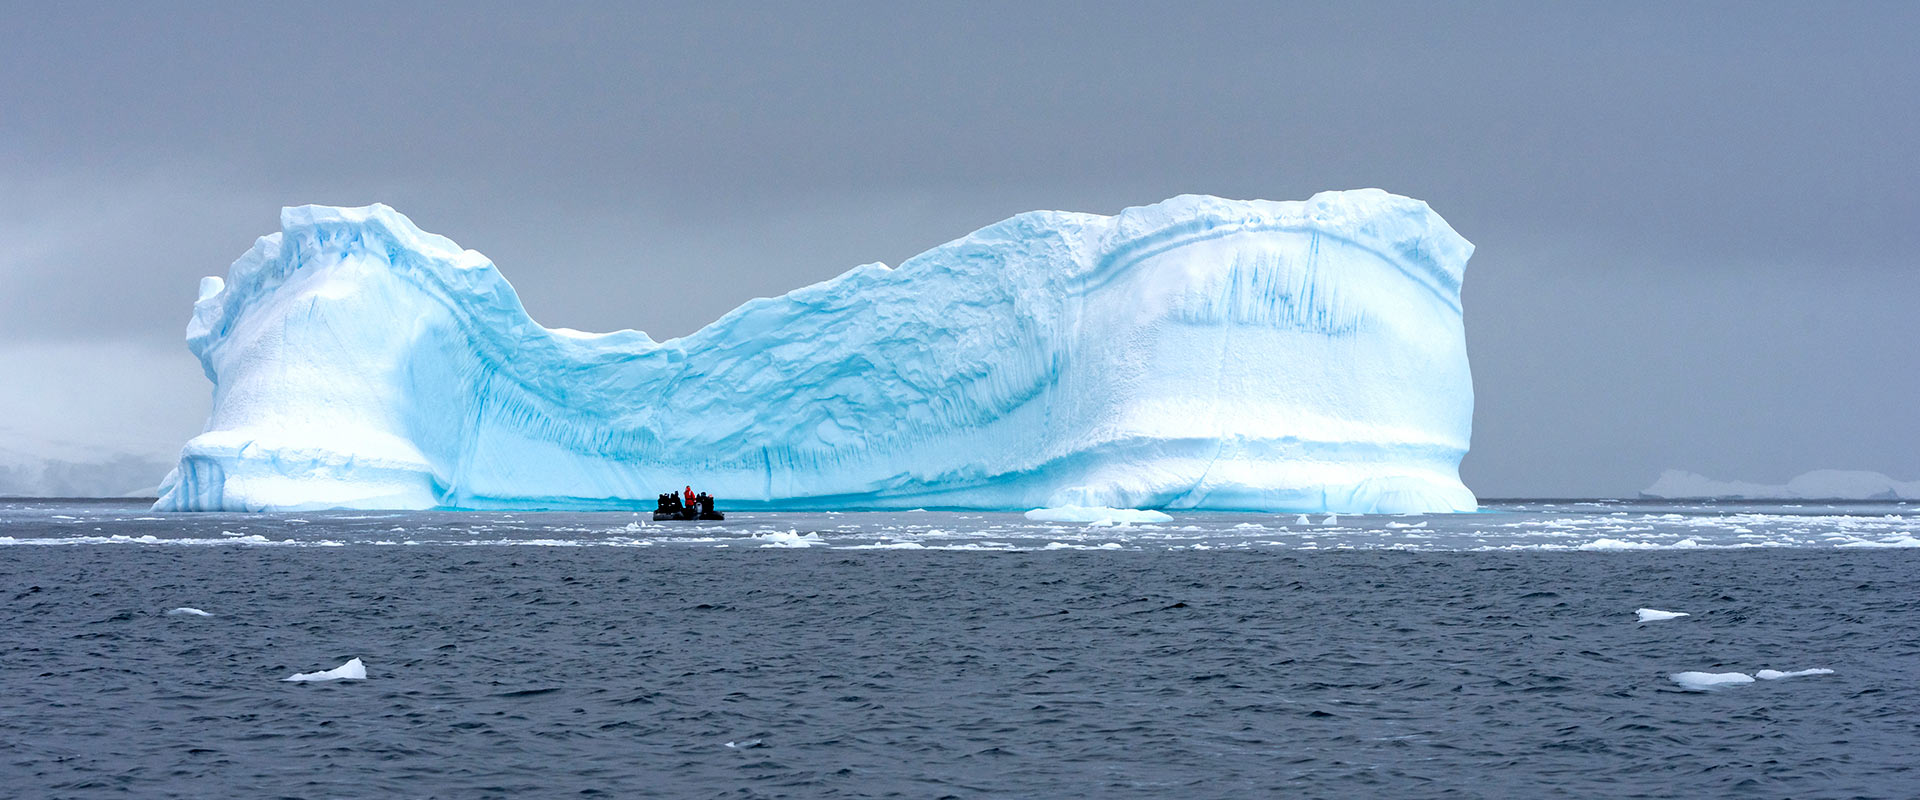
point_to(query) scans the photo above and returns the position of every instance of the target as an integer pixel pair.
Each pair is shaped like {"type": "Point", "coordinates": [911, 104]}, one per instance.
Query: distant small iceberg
{"type": "Point", "coordinates": [353, 670]}
{"type": "Point", "coordinates": [1824, 484]}
{"type": "Point", "coordinates": [184, 611]}
{"type": "Point", "coordinates": [1097, 514]}
{"type": "Point", "coordinates": [1656, 615]}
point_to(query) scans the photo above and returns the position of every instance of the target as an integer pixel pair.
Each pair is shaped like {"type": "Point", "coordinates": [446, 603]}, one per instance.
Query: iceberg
{"type": "Point", "coordinates": [1199, 353]}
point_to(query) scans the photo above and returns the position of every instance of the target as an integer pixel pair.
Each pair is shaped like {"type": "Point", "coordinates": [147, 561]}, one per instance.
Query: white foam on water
{"type": "Point", "coordinates": [1707, 681]}
{"type": "Point", "coordinates": [1774, 674]}
{"type": "Point", "coordinates": [353, 670]}
{"type": "Point", "coordinates": [184, 611]}
{"type": "Point", "coordinates": [1656, 615]}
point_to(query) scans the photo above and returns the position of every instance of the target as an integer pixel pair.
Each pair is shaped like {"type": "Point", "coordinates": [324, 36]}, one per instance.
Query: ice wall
{"type": "Point", "coordinates": [1196, 353]}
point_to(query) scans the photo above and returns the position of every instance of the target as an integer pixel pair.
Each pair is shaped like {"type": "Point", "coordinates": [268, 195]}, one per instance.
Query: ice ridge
{"type": "Point", "coordinates": [1195, 353]}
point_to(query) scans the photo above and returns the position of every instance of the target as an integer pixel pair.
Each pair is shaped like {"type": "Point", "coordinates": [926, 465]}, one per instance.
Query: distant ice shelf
{"type": "Point", "coordinates": [1198, 353]}
{"type": "Point", "coordinates": [1824, 484]}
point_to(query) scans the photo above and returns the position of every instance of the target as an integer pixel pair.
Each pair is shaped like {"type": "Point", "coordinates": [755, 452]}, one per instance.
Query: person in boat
{"type": "Point", "coordinates": [688, 493]}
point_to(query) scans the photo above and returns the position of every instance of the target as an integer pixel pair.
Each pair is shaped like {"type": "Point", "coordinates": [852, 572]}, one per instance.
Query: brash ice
{"type": "Point", "coordinates": [1195, 353]}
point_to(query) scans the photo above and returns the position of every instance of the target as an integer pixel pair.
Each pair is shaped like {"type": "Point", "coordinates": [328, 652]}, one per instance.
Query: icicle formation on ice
{"type": "Point", "coordinates": [1196, 353]}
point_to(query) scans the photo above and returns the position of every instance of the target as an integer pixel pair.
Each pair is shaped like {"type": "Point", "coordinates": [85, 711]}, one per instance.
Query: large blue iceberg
{"type": "Point", "coordinates": [1199, 353]}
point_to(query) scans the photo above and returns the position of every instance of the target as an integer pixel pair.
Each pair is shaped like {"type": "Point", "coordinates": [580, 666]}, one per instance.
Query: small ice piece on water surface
{"type": "Point", "coordinates": [1774, 674]}
{"type": "Point", "coordinates": [353, 670]}
{"type": "Point", "coordinates": [184, 611]}
{"type": "Point", "coordinates": [744, 744]}
{"type": "Point", "coordinates": [790, 538]}
{"type": "Point", "coordinates": [1655, 615]}
{"type": "Point", "coordinates": [1705, 681]}
{"type": "Point", "coordinates": [1096, 514]}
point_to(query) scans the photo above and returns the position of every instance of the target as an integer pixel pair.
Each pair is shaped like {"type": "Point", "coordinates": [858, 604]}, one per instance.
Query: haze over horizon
{"type": "Point", "coordinates": [1694, 225]}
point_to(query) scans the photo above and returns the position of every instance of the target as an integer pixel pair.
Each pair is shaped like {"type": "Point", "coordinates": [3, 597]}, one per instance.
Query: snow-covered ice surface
{"type": "Point", "coordinates": [1600, 527]}
{"type": "Point", "coordinates": [353, 670]}
{"type": "Point", "coordinates": [1194, 353]}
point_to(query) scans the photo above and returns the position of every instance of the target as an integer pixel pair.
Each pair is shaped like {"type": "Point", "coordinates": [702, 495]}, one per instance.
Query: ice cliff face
{"type": "Point", "coordinates": [1197, 353]}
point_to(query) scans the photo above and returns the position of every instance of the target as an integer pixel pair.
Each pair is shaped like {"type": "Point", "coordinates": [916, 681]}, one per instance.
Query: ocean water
{"type": "Point", "coordinates": [953, 654]}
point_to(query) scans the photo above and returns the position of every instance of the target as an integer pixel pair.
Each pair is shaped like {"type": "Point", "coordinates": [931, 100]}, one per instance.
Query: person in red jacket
{"type": "Point", "coordinates": [689, 496]}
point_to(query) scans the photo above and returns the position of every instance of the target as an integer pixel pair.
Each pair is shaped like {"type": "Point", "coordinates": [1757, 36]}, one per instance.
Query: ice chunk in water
{"type": "Point", "coordinates": [1703, 681]}
{"type": "Point", "coordinates": [1655, 615]}
{"type": "Point", "coordinates": [1616, 544]}
{"type": "Point", "coordinates": [789, 538]}
{"type": "Point", "coordinates": [1774, 674]}
{"type": "Point", "coordinates": [353, 670]}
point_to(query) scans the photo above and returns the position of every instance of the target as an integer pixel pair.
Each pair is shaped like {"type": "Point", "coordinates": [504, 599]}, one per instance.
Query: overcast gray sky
{"type": "Point", "coordinates": [1698, 223]}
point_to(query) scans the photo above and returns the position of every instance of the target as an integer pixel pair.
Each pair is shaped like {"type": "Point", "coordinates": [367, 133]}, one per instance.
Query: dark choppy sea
{"type": "Point", "coordinates": [939, 654]}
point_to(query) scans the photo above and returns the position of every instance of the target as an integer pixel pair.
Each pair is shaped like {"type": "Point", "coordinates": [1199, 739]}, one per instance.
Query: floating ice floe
{"type": "Point", "coordinates": [353, 670]}
{"type": "Point", "coordinates": [1656, 615]}
{"type": "Point", "coordinates": [789, 539]}
{"type": "Point", "coordinates": [1774, 674]}
{"type": "Point", "coordinates": [1093, 514]}
{"type": "Point", "coordinates": [1904, 541]}
{"type": "Point", "coordinates": [184, 611]}
{"type": "Point", "coordinates": [1704, 681]}
{"type": "Point", "coordinates": [1616, 544]}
